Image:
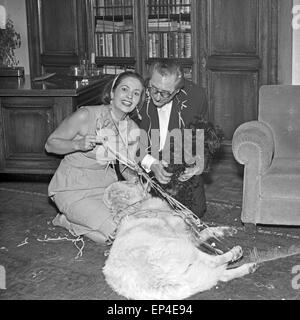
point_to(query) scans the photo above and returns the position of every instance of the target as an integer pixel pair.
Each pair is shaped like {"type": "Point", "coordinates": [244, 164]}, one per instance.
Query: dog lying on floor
{"type": "Point", "coordinates": [154, 255]}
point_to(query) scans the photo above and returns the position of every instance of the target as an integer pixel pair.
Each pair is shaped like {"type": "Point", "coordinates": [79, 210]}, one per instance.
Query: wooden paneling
{"type": "Point", "coordinates": [58, 34]}
{"type": "Point", "coordinates": [29, 115]}
{"type": "Point", "coordinates": [233, 26]}
{"type": "Point", "coordinates": [268, 41]}
{"type": "Point", "coordinates": [27, 125]}
{"type": "Point", "coordinates": [238, 54]}
{"type": "Point", "coordinates": [233, 99]}
{"type": "Point", "coordinates": [58, 24]}
{"type": "Point", "coordinates": [26, 139]}
{"type": "Point", "coordinates": [285, 42]}
{"type": "Point", "coordinates": [33, 38]}
{"type": "Point", "coordinates": [235, 48]}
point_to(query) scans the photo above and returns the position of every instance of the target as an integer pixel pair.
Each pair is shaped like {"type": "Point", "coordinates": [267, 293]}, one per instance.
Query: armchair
{"type": "Point", "coordinates": [269, 149]}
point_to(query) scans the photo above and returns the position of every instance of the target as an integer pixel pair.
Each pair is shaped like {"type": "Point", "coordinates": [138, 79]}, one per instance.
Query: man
{"type": "Point", "coordinates": [173, 102]}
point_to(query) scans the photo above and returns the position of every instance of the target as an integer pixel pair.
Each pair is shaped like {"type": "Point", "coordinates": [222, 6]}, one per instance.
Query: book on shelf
{"type": "Point", "coordinates": [150, 46]}
{"type": "Point", "coordinates": [175, 45]}
{"type": "Point", "coordinates": [120, 39]}
{"type": "Point", "coordinates": [108, 45]}
{"type": "Point", "coordinates": [115, 7]}
{"type": "Point", "coordinates": [168, 25]}
{"type": "Point", "coordinates": [112, 69]}
{"type": "Point", "coordinates": [114, 44]}
{"type": "Point", "coordinates": [113, 26]}
{"type": "Point", "coordinates": [108, 69]}
{"type": "Point", "coordinates": [188, 44]}
{"type": "Point", "coordinates": [162, 25]}
{"type": "Point", "coordinates": [151, 7]}
{"type": "Point", "coordinates": [100, 8]}
{"type": "Point", "coordinates": [118, 8]}
{"type": "Point", "coordinates": [165, 7]}
{"type": "Point", "coordinates": [99, 45]}
{"type": "Point", "coordinates": [128, 7]}
{"type": "Point", "coordinates": [186, 6]}
{"type": "Point", "coordinates": [165, 45]}
{"type": "Point", "coordinates": [181, 45]}
{"type": "Point", "coordinates": [154, 45]}
{"type": "Point", "coordinates": [170, 45]}
{"type": "Point", "coordinates": [128, 44]}
{"type": "Point", "coordinates": [103, 25]}
{"type": "Point", "coordinates": [185, 25]}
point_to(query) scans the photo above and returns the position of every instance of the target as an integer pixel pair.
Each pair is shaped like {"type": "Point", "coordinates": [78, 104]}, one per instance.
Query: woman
{"type": "Point", "coordinates": [87, 139]}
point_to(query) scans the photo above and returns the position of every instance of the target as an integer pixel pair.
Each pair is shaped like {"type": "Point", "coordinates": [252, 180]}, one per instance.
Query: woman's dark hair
{"type": "Point", "coordinates": [113, 83]}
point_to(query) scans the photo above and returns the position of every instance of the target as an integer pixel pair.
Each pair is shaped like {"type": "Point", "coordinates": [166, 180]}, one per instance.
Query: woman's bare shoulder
{"type": "Point", "coordinates": [82, 114]}
{"type": "Point", "coordinates": [86, 113]}
{"type": "Point", "coordinates": [78, 121]}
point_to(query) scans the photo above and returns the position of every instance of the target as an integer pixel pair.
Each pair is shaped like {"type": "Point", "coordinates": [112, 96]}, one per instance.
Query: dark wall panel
{"type": "Point", "coordinates": [59, 26]}
{"type": "Point", "coordinates": [233, 99]}
{"type": "Point", "coordinates": [233, 26]}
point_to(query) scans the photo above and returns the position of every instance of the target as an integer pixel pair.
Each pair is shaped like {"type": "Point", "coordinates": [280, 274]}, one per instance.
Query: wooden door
{"type": "Point", "coordinates": [57, 34]}
{"type": "Point", "coordinates": [238, 54]}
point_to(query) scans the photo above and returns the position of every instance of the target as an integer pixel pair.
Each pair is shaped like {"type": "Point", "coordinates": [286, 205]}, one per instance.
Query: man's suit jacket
{"type": "Point", "coordinates": [188, 104]}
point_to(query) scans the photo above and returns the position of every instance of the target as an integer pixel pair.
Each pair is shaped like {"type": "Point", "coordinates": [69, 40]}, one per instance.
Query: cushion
{"type": "Point", "coordinates": [282, 180]}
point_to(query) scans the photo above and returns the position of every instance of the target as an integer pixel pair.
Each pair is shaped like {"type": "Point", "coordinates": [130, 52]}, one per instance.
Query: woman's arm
{"type": "Point", "coordinates": [62, 141]}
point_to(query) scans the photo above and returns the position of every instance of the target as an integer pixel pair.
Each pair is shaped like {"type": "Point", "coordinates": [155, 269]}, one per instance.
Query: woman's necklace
{"type": "Point", "coordinates": [125, 141]}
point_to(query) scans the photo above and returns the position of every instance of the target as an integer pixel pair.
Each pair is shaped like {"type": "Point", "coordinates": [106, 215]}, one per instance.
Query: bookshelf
{"type": "Point", "coordinates": [169, 31]}
{"type": "Point", "coordinates": [114, 35]}
{"type": "Point", "coordinates": [130, 34]}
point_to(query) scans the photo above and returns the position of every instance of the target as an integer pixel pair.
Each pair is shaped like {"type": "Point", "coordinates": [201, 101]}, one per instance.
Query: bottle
{"type": "Point", "coordinates": [93, 66]}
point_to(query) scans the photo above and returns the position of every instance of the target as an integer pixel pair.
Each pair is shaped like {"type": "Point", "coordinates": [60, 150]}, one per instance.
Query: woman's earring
{"type": "Point", "coordinates": [138, 114]}
{"type": "Point", "coordinates": [147, 93]}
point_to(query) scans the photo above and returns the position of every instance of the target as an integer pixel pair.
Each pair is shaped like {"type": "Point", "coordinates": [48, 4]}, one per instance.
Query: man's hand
{"type": "Point", "coordinates": [189, 173]}
{"type": "Point", "coordinates": [160, 173]}
{"type": "Point", "coordinates": [192, 171]}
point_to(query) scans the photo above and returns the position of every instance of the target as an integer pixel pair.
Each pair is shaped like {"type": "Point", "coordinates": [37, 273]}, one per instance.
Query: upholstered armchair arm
{"type": "Point", "coordinates": [253, 146]}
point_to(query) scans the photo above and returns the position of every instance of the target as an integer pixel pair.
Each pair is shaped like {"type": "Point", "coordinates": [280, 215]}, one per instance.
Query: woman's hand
{"type": "Point", "coordinates": [87, 143]}
{"type": "Point", "coordinates": [64, 139]}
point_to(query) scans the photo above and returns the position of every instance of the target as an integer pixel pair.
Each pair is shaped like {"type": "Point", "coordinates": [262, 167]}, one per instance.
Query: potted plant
{"type": "Point", "coordinates": [9, 41]}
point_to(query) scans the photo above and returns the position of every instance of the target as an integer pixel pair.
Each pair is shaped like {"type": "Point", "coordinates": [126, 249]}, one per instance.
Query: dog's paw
{"type": "Point", "coordinates": [237, 253]}
{"type": "Point", "coordinates": [229, 231]}
{"type": "Point", "coordinates": [252, 267]}
{"type": "Point", "coordinates": [221, 232]}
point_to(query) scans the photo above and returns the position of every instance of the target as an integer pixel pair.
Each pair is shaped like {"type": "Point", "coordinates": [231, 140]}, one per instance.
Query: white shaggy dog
{"type": "Point", "coordinates": [154, 256]}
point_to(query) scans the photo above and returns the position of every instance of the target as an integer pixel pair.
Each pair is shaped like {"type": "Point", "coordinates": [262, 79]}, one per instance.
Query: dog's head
{"type": "Point", "coordinates": [122, 194]}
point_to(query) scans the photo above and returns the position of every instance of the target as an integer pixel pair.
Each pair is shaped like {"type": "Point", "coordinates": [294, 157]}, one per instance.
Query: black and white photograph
{"type": "Point", "coordinates": [149, 151]}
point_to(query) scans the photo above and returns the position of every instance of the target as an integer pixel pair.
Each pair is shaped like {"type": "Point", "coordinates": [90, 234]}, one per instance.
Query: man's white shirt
{"type": "Point", "coordinates": [164, 118]}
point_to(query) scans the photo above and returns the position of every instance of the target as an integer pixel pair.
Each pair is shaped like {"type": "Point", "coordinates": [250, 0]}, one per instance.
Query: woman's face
{"type": "Point", "coordinates": [127, 95]}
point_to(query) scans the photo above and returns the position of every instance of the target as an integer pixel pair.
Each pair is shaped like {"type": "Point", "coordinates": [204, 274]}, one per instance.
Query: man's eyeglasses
{"type": "Point", "coordinates": [163, 93]}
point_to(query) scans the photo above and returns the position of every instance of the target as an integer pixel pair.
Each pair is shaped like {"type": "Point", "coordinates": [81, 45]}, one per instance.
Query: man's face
{"type": "Point", "coordinates": [162, 89]}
